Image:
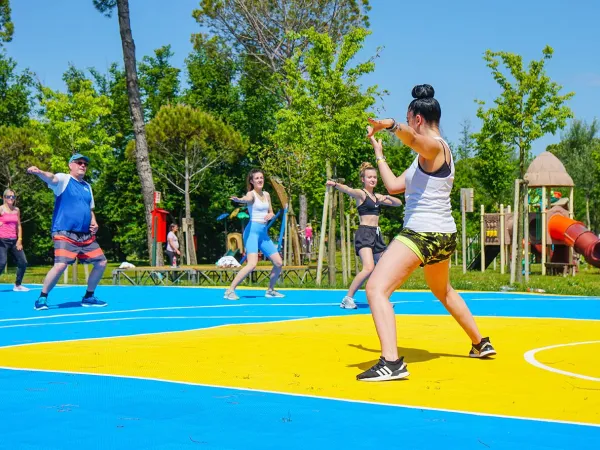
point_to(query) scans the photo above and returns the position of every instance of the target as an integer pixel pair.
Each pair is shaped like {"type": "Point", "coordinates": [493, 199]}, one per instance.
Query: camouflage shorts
{"type": "Point", "coordinates": [431, 248]}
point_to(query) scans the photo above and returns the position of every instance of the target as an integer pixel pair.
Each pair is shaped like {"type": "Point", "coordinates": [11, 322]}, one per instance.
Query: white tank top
{"type": "Point", "coordinates": [428, 207]}
{"type": "Point", "coordinates": [259, 209]}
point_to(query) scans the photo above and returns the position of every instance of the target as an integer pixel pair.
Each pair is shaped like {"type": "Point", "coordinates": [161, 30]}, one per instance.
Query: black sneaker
{"type": "Point", "coordinates": [385, 371]}
{"type": "Point", "coordinates": [483, 349]}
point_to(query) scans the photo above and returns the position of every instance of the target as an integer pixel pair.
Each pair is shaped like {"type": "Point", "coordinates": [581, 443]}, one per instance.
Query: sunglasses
{"type": "Point", "coordinates": [10, 197]}
{"type": "Point", "coordinates": [81, 163]}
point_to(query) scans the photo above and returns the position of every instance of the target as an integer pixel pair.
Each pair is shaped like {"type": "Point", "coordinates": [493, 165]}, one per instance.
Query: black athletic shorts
{"type": "Point", "coordinates": [370, 237]}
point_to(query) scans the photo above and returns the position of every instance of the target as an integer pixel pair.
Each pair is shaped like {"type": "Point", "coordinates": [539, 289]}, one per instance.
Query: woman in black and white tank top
{"type": "Point", "coordinates": [428, 238]}
{"type": "Point", "coordinates": [368, 242]}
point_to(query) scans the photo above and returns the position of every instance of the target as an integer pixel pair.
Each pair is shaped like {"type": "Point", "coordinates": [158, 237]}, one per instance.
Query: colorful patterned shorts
{"type": "Point", "coordinates": [69, 245]}
{"type": "Point", "coordinates": [430, 247]}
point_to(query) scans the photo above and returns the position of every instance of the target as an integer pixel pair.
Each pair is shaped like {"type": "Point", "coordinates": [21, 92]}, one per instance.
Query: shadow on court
{"type": "Point", "coordinates": [411, 355]}
{"type": "Point", "coordinates": [66, 305]}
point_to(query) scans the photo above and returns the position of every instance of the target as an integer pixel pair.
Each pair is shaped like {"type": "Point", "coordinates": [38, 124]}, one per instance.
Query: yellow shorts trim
{"type": "Point", "coordinates": [410, 244]}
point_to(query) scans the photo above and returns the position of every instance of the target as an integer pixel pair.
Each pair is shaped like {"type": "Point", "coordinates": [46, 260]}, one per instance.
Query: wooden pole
{"type": "Point", "coordinates": [508, 246]}
{"type": "Point", "coordinates": [332, 238]}
{"type": "Point", "coordinates": [464, 232]}
{"type": "Point", "coordinates": [348, 246]}
{"type": "Point", "coordinates": [571, 215]}
{"type": "Point", "coordinates": [544, 231]}
{"type": "Point", "coordinates": [513, 257]}
{"type": "Point", "coordinates": [501, 236]}
{"type": "Point", "coordinates": [526, 230]}
{"type": "Point", "coordinates": [356, 258]}
{"type": "Point", "coordinates": [289, 243]}
{"type": "Point", "coordinates": [343, 240]}
{"type": "Point", "coordinates": [285, 242]}
{"type": "Point", "coordinates": [482, 239]}
{"type": "Point", "coordinates": [322, 236]}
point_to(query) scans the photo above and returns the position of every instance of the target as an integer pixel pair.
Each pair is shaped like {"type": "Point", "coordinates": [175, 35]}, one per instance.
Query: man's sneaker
{"type": "Point", "coordinates": [20, 288]}
{"type": "Point", "coordinates": [483, 349]}
{"type": "Point", "coordinates": [230, 295]}
{"type": "Point", "coordinates": [40, 304]}
{"type": "Point", "coordinates": [92, 302]}
{"type": "Point", "coordinates": [385, 371]}
{"type": "Point", "coordinates": [272, 293]}
{"type": "Point", "coordinates": [348, 303]}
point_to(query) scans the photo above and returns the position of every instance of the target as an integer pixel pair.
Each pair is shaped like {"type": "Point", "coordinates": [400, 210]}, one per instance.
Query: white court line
{"type": "Point", "coordinates": [530, 358]}
{"type": "Point", "coordinates": [117, 319]}
{"type": "Point", "coordinates": [169, 308]}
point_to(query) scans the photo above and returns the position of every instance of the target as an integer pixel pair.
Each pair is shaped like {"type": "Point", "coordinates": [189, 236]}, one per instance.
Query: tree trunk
{"type": "Point", "coordinates": [332, 238]}
{"type": "Point", "coordinates": [189, 225]}
{"type": "Point", "coordinates": [519, 225]}
{"type": "Point", "coordinates": [137, 118]}
{"type": "Point", "coordinates": [343, 241]}
{"type": "Point", "coordinates": [303, 212]}
{"type": "Point", "coordinates": [587, 211]}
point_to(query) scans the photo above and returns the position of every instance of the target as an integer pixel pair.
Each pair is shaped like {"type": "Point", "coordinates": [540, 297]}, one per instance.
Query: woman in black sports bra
{"type": "Point", "coordinates": [368, 242]}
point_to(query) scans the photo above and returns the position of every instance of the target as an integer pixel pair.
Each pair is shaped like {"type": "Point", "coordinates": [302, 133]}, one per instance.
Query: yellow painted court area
{"type": "Point", "coordinates": [322, 356]}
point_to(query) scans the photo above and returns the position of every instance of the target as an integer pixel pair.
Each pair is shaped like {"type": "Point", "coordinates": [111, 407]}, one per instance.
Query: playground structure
{"type": "Point", "coordinates": [550, 233]}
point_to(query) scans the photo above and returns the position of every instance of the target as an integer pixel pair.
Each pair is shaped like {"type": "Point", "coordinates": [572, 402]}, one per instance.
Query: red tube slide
{"type": "Point", "coordinates": [576, 235]}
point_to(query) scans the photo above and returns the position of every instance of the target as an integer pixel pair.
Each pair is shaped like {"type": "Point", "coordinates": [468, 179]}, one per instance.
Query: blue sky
{"type": "Point", "coordinates": [440, 43]}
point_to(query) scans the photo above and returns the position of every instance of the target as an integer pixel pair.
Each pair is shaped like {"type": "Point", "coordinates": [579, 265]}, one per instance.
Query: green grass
{"type": "Point", "coordinates": [586, 282]}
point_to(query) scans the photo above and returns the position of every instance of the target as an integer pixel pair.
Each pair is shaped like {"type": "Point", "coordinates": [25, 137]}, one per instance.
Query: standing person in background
{"type": "Point", "coordinates": [11, 237]}
{"type": "Point", "coordinates": [173, 245]}
{"type": "Point", "coordinates": [308, 235]}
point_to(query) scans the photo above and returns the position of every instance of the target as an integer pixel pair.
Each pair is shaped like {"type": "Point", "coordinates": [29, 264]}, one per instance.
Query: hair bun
{"type": "Point", "coordinates": [423, 91]}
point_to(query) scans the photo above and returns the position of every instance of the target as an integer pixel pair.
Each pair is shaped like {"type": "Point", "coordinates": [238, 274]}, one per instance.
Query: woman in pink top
{"type": "Point", "coordinates": [11, 237]}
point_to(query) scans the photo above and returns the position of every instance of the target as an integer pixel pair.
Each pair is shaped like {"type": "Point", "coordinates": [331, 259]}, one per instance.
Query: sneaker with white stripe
{"type": "Point", "coordinates": [482, 350]}
{"type": "Point", "coordinates": [385, 371]}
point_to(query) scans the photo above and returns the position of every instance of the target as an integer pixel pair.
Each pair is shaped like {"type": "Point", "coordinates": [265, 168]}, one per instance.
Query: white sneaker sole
{"type": "Point", "coordinates": [484, 354]}
{"type": "Point", "coordinates": [387, 377]}
{"type": "Point", "coordinates": [87, 305]}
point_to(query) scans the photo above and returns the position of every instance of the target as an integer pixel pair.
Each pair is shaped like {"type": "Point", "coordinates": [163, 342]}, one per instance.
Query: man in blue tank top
{"type": "Point", "coordinates": [74, 228]}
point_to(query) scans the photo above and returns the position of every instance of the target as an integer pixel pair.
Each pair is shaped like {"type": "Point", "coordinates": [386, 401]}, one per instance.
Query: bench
{"type": "Point", "coordinates": [561, 268]}
{"type": "Point", "coordinates": [209, 274]}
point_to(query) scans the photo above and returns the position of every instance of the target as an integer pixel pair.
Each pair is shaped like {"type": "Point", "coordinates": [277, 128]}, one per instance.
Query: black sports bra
{"type": "Point", "coordinates": [368, 207]}
{"type": "Point", "coordinates": [444, 169]}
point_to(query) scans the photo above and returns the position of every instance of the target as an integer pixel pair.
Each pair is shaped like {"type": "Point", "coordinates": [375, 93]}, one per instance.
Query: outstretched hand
{"type": "Point", "coordinates": [378, 125]}
{"type": "Point", "coordinates": [33, 170]}
{"type": "Point", "coordinates": [330, 183]}
{"type": "Point", "coordinates": [376, 143]}
{"type": "Point", "coordinates": [236, 199]}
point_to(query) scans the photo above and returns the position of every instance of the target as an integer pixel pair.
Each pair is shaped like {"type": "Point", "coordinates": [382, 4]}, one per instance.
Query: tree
{"type": "Point", "coordinates": [15, 93]}
{"type": "Point", "coordinates": [71, 125]}
{"type": "Point", "coordinates": [576, 150]}
{"type": "Point", "coordinates": [125, 235]}
{"type": "Point", "coordinates": [6, 26]}
{"type": "Point", "coordinates": [159, 80]}
{"type": "Point", "coordinates": [529, 106]}
{"type": "Point", "coordinates": [495, 168]}
{"type": "Point", "coordinates": [466, 146]}
{"type": "Point", "coordinates": [135, 106]}
{"type": "Point", "coordinates": [211, 73]}
{"type": "Point", "coordinates": [191, 142]}
{"type": "Point", "coordinates": [324, 126]}
{"type": "Point", "coordinates": [262, 30]}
